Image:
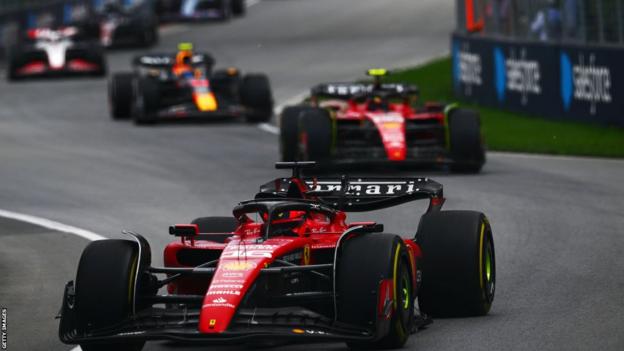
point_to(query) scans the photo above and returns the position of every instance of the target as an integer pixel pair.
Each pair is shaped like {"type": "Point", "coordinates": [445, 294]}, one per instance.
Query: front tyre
{"type": "Point", "coordinates": [120, 95]}
{"type": "Point", "coordinates": [459, 266]}
{"type": "Point", "coordinates": [381, 295]}
{"type": "Point", "coordinates": [289, 132]}
{"type": "Point", "coordinates": [465, 142]}
{"type": "Point", "coordinates": [105, 284]}
{"type": "Point", "coordinates": [238, 7]}
{"type": "Point", "coordinates": [316, 135]}
{"type": "Point", "coordinates": [146, 102]}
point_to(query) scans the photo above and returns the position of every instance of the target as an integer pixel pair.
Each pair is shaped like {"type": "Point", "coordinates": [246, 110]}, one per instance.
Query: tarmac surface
{"type": "Point", "coordinates": [557, 221]}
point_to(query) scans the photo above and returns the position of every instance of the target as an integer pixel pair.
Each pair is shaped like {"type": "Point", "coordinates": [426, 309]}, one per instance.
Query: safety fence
{"type": "Point", "coordinates": [587, 21]}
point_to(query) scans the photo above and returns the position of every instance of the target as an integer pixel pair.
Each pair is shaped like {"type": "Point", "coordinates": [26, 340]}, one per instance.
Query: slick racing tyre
{"type": "Point", "coordinates": [149, 36]}
{"type": "Point", "coordinates": [226, 10]}
{"type": "Point", "coordinates": [147, 96]}
{"type": "Point", "coordinates": [257, 97]}
{"type": "Point", "coordinates": [289, 132]}
{"type": "Point", "coordinates": [372, 269]}
{"type": "Point", "coordinates": [238, 7]}
{"type": "Point", "coordinates": [458, 267]}
{"type": "Point", "coordinates": [13, 63]}
{"type": "Point", "coordinates": [315, 135]}
{"type": "Point", "coordinates": [120, 92]}
{"type": "Point", "coordinates": [465, 142]}
{"type": "Point", "coordinates": [105, 285]}
{"type": "Point", "coordinates": [98, 57]}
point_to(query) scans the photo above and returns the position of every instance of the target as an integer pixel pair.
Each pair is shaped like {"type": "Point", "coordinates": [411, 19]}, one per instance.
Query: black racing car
{"type": "Point", "coordinates": [117, 25]}
{"type": "Point", "coordinates": [154, 91]}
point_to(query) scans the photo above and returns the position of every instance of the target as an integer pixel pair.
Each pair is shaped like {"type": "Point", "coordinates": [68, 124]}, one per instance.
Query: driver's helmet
{"type": "Point", "coordinates": [185, 54]}
{"type": "Point", "coordinates": [378, 103]}
{"type": "Point", "coordinates": [285, 222]}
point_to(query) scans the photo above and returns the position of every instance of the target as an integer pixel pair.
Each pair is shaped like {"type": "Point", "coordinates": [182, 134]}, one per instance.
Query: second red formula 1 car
{"type": "Point", "coordinates": [288, 266]}
{"type": "Point", "coordinates": [380, 123]}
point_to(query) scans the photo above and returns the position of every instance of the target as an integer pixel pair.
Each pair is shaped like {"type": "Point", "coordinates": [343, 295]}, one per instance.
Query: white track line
{"type": "Point", "coordinates": [53, 225]}
{"type": "Point", "coordinates": [50, 224]}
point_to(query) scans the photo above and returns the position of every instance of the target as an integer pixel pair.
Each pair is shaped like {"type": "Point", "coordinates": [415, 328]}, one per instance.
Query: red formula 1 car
{"type": "Point", "coordinates": [378, 123]}
{"type": "Point", "coordinates": [46, 52]}
{"type": "Point", "coordinates": [287, 266]}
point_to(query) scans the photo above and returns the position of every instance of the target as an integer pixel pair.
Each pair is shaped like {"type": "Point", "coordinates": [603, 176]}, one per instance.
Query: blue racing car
{"type": "Point", "coordinates": [188, 10]}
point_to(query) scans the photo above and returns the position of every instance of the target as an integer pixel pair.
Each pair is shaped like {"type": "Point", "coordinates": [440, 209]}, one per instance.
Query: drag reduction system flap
{"type": "Point", "coordinates": [356, 194]}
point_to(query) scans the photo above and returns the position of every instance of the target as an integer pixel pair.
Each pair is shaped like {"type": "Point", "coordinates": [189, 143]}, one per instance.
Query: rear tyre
{"type": "Point", "coordinates": [465, 141]}
{"type": "Point", "coordinates": [146, 101]}
{"type": "Point", "coordinates": [13, 59]}
{"type": "Point", "coordinates": [105, 285]}
{"type": "Point", "coordinates": [257, 97]}
{"type": "Point", "coordinates": [99, 58]}
{"type": "Point", "coordinates": [226, 10]}
{"type": "Point", "coordinates": [459, 267]}
{"type": "Point", "coordinates": [238, 7]}
{"type": "Point", "coordinates": [216, 224]}
{"type": "Point", "coordinates": [149, 37]}
{"type": "Point", "coordinates": [289, 132]}
{"type": "Point", "coordinates": [387, 273]}
{"type": "Point", "coordinates": [120, 92]}
{"type": "Point", "coordinates": [316, 135]}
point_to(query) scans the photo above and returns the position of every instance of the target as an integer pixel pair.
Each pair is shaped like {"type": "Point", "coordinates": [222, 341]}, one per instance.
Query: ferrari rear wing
{"type": "Point", "coordinates": [349, 90]}
{"type": "Point", "coordinates": [352, 194]}
{"type": "Point", "coordinates": [369, 194]}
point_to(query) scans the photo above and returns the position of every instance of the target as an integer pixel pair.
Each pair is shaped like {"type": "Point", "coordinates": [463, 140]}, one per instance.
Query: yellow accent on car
{"type": "Point", "coordinates": [377, 72]}
{"type": "Point", "coordinates": [481, 255]}
{"type": "Point", "coordinates": [206, 102]}
{"type": "Point", "coordinates": [394, 278]}
{"type": "Point", "coordinates": [185, 46]}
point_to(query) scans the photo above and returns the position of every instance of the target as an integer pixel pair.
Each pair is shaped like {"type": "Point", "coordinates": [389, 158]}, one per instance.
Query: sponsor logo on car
{"type": "Point", "coordinates": [226, 286]}
{"type": "Point", "coordinates": [219, 300]}
{"type": "Point", "coordinates": [232, 275]}
{"type": "Point", "coordinates": [358, 188]}
{"type": "Point", "coordinates": [239, 266]}
{"type": "Point", "coordinates": [223, 292]}
{"type": "Point", "coordinates": [308, 331]}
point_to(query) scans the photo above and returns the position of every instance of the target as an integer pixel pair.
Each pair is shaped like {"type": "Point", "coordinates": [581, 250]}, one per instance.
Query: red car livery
{"type": "Point", "coordinates": [288, 266]}
{"type": "Point", "coordinates": [380, 123]}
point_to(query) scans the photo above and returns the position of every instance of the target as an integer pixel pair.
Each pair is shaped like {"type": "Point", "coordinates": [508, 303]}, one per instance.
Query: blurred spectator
{"type": "Point", "coordinates": [570, 18]}
{"type": "Point", "coordinates": [547, 22]}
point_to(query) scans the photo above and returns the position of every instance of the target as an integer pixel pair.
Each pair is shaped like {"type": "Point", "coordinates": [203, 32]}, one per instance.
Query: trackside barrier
{"type": "Point", "coordinates": [556, 80]}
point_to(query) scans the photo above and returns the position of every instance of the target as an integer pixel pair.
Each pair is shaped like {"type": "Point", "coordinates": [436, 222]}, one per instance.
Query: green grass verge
{"type": "Point", "coordinates": [509, 131]}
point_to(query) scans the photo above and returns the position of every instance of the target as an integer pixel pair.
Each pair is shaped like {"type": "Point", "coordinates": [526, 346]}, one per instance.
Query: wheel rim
{"type": "Point", "coordinates": [489, 269]}
{"type": "Point", "coordinates": [404, 302]}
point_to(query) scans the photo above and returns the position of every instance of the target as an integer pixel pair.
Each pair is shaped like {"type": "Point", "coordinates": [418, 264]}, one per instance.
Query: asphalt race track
{"type": "Point", "coordinates": [557, 221]}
